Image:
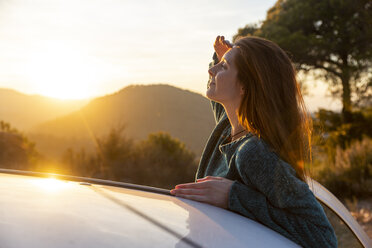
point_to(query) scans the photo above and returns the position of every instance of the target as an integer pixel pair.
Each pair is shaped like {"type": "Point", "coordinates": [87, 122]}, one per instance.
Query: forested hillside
{"type": "Point", "coordinates": [141, 109]}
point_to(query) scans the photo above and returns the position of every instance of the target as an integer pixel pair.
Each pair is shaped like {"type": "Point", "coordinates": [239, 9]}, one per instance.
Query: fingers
{"type": "Point", "coordinates": [217, 40]}
{"type": "Point", "coordinates": [209, 178]}
{"type": "Point", "coordinates": [221, 40]}
{"type": "Point", "coordinates": [181, 191]}
{"type": "Point", "coordinates": [210, 189]}
{"type": "Point", "coordinates": [191, 185]}
{"type": "Point", "coordinates": [192, 194]}
{"type": "Point", "coordinates": [227, 43]}
{"type": "Point", "coordinates": [200, 184]}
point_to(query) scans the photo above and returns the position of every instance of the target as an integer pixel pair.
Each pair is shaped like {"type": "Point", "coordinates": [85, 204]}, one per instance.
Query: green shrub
{"type": "Point", "coordinates": [159, 161]}
{"type": "Point", "coordinates": [163, 161]}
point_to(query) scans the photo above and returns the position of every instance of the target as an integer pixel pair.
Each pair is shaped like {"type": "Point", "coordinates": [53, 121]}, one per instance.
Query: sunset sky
{"type": "Point", "coordinates": [75, 49]}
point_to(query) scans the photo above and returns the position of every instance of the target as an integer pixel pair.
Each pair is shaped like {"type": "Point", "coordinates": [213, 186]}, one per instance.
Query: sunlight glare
{"type": "Point", "coordinates": [51, 185]}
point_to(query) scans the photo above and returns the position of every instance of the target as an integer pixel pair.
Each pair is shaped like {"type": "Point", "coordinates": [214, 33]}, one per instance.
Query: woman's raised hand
{"type": "Point", "coordinates": [211, 190]}
{"type": "Point", "coordinates": [221, 46]}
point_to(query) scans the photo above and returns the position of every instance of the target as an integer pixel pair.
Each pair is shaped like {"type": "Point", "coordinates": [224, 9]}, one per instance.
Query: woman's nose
{"type": "Point", "coordinates": [212, 71]}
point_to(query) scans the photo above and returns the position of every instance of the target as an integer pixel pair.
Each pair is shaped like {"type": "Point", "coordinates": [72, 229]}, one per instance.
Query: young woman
{"type": "Point", "coordinates": [253, 161]}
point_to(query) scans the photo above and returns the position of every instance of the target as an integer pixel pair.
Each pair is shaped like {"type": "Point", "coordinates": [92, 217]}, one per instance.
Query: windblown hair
{"type": "Point", "coordinates": [272, 106]}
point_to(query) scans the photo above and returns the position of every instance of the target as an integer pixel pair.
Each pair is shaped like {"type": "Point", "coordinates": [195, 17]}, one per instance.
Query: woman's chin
{"type": "Point", "coordinates": [210, 92]}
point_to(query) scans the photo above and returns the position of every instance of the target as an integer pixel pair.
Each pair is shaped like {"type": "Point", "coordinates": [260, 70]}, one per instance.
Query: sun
{"type": "Point", "coordinates": [63, 72]}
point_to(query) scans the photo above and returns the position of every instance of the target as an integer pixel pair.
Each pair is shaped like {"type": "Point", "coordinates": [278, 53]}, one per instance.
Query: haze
{"type": "Point", "coordinates": [74, 49]}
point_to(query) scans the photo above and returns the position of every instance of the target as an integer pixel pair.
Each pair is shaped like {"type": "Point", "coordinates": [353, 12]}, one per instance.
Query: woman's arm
{"type": "Point", "coordinates": [277, 198]}
{"type": "Point", "coordinates": [217, 108]}
{"type": "Point", "coordinates": [304, 223]}
{"type": "Point", "coordinates": [221, 46]}
{"type": "Point", "coordinates": [270, 193]}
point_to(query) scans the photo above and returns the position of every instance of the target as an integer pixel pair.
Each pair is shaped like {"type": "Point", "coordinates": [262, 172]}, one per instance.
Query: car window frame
{"type": "Point", "coordinates": [335, 205]}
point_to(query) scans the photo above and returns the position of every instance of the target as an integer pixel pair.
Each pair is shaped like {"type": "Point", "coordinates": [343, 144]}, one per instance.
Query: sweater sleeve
{"type": "Point", "coordinates": [273, 195]}
{"type": "Point", "coordinates": [217, 108]}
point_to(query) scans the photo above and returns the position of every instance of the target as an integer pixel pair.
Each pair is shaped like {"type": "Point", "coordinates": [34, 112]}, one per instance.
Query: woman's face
{"type": "Point", "coordinates": [224, 86]}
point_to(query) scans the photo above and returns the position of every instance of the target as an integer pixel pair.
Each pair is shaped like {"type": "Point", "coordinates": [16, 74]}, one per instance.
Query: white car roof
{"type": "Point", "coordinates": [84, 212]}
{"type": "Point", "coordinates": [42, 212]}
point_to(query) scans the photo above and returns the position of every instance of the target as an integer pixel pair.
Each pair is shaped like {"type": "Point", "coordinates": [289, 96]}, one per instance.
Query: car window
{"type": "Point", "coordinates": [345, 237]}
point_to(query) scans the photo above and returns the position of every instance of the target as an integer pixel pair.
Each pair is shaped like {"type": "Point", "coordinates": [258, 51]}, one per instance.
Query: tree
{"type": "Point", "coordinates": [159, 160]}
{"type": "Point", "coordinates": [333, 36]}
{"type": "Point", "coordinates": [16, 151]}
{"type": "Point", "coordinates": [163, 161]}
{"type": "Point", "coordinates": [114, 155]}
{"type": "Point", "coordinates": [247, 30]}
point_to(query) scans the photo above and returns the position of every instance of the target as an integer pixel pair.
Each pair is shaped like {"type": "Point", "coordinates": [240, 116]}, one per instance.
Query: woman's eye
{"type": "Point", "coordinates": [224, 66]}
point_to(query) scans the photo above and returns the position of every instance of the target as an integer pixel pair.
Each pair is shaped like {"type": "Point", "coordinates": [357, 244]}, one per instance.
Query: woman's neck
{"type": "Point", "coordinates": [237, 128]}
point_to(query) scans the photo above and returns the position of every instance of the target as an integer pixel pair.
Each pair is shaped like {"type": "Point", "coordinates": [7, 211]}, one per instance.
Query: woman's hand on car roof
{"type": "Point", "coordinates": [211, 190]}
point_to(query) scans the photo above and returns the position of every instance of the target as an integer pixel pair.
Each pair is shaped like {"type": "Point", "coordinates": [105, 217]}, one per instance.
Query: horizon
{"type": "Point", "coordinates": [307, 98]}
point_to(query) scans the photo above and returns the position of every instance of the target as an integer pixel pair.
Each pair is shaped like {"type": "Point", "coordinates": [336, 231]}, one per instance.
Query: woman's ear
{"type": "Point", "coordinates": [242, 90]}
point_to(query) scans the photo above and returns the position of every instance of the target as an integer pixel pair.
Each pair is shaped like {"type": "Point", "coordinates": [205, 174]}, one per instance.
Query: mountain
{"type": "Point", "coordinates": [25, 111]}
{"type": "Point", "coordinates": [142, 109]}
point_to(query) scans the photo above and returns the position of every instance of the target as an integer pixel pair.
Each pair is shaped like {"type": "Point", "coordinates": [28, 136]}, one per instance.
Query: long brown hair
{"type": "Point", "coordinates": [272, 106]}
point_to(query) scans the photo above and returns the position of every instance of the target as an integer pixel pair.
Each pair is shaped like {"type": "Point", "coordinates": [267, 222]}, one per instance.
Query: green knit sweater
{"type": "Point", "coordinates": [265, 188]}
